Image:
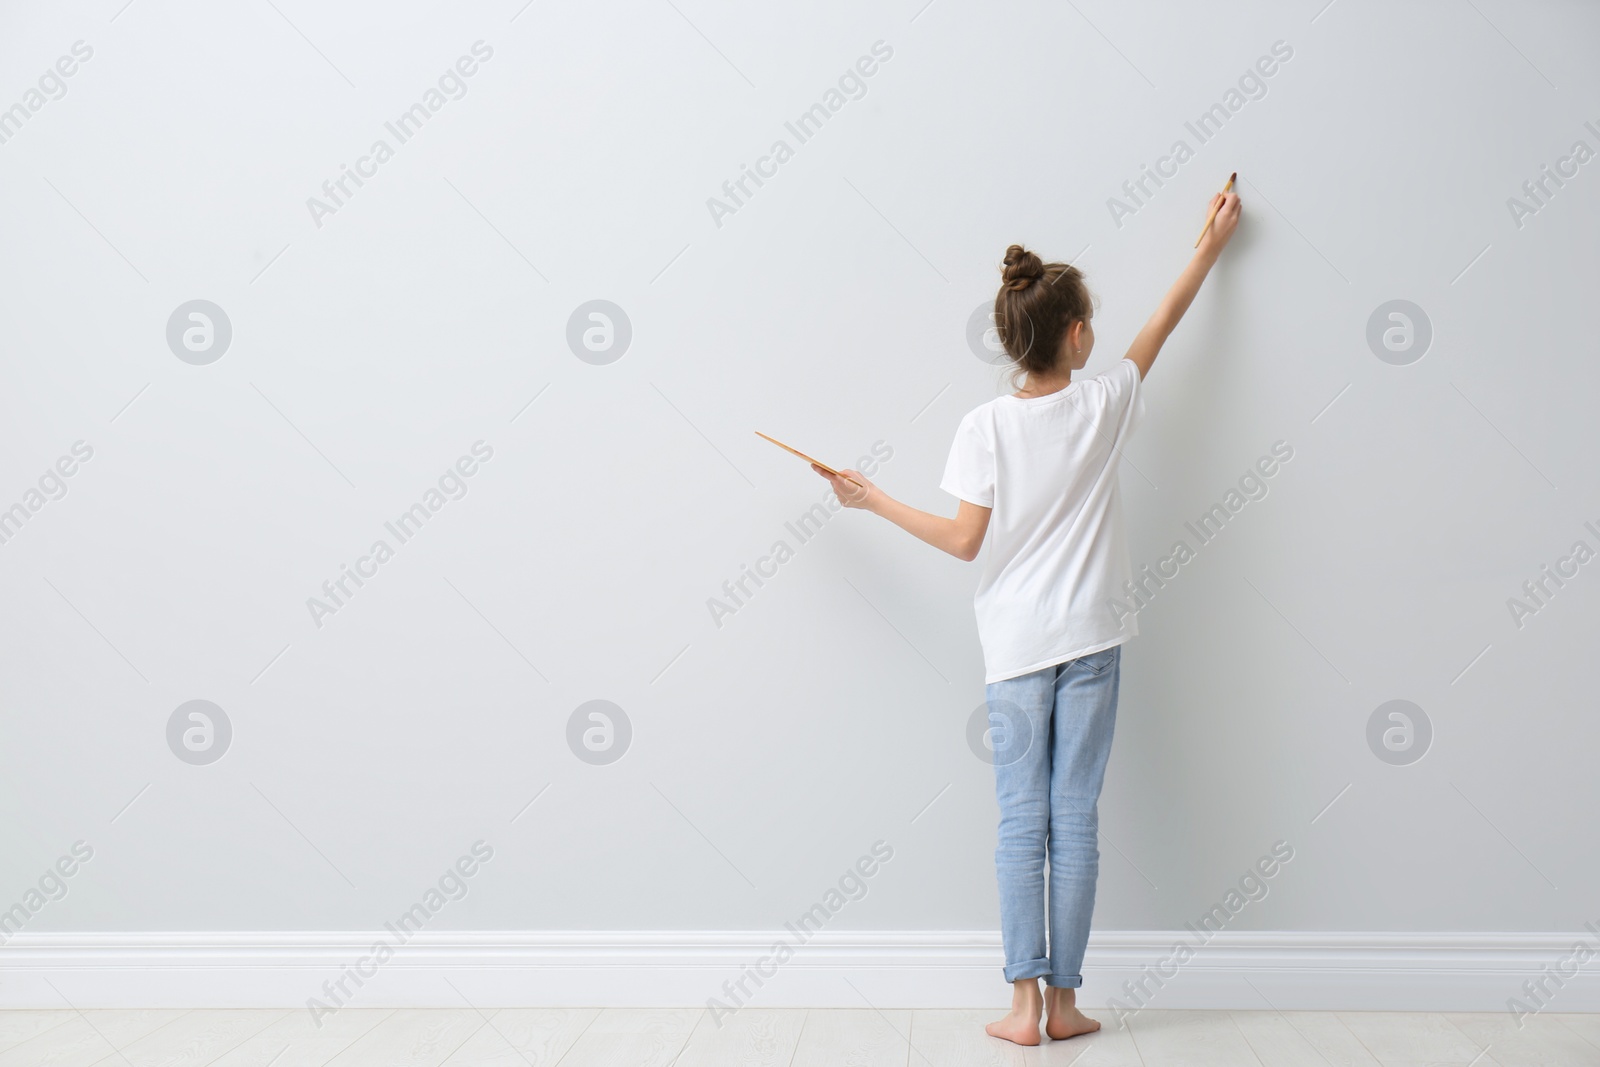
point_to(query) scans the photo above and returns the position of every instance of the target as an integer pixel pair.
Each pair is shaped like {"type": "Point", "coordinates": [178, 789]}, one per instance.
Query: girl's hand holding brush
{"type": "Point", "coordinates": [1225, 221]}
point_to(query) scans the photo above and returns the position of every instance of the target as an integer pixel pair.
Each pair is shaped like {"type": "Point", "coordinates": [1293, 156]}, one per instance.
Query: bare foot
{"type": "Point", "coordinates": [1021, 1024]}
{"type": "Point", "coordinates": [1065, 1020]}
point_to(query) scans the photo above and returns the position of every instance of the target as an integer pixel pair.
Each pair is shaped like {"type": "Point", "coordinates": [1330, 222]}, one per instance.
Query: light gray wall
{"type": "Point", "coordinates": [771, 751]}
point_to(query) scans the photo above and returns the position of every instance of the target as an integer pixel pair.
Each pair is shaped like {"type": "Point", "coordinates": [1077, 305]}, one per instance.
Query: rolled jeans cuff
{"type": "Point", "coordinates": [1064, 981]}
{"type": "Point", "coordinates": [1035, 968]}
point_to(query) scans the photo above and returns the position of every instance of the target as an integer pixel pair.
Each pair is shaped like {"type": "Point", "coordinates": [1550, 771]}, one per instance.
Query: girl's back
{"type": "Point", "coordinates": [1057, 557]}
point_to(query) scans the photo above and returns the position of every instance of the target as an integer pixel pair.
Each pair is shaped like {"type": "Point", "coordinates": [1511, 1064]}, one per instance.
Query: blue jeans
{"type": "Point", "coordinates": [1051, 735]}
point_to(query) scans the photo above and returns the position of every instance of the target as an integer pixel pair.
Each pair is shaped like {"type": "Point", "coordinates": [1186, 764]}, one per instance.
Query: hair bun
{"type": "Point", "coordinates": [1021, 269]}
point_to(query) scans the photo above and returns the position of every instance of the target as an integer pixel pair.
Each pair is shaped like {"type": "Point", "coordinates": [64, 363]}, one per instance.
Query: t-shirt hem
{"type": "Point", "coordinates": [968, 498]}
{"type": "Point", "coordinates": [961, 494]}
{"type": "Point", "coordinates": [1005, 676]}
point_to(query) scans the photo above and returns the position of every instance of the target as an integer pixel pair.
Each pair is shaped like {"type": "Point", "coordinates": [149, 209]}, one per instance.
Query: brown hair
{"type": "Point", "coordinates": [1037, 303]}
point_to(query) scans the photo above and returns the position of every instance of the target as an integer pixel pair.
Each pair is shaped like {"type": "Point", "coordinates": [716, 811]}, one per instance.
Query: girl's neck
{"type": "Point", "coordinates": [1043, 385]}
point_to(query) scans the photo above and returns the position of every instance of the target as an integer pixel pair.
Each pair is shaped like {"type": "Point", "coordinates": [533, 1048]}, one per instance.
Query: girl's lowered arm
{"type": "Point", "coordinates": [961, 536]}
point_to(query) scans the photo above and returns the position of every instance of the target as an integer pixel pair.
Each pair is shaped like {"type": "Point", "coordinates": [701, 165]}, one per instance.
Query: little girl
{"type": "Point", "coordinates": [1041, 464]}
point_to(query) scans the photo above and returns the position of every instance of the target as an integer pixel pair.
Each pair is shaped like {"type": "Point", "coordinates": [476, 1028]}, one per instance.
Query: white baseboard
{"type": "Point", "coordinates": [930, 969]}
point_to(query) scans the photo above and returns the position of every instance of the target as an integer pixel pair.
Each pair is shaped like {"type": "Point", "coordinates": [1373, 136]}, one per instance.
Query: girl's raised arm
{"type": "Point", "coordinates": [1148, 344]}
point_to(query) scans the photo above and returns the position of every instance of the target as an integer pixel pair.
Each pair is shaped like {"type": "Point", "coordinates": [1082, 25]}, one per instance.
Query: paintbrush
{"type": "Point", "coordinates": [808, 459]}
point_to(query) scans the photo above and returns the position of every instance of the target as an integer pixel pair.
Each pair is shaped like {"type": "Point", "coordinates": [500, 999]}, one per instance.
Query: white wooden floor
{"type": "Point", "coordinates": [755, 1037]}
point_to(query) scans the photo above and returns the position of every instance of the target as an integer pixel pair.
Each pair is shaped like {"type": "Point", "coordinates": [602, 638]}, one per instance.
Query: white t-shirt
{"type": "Point", "coordinates": [1047, 466]}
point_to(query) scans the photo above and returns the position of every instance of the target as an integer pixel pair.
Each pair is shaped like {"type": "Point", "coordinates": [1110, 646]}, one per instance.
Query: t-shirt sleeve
{"type": "Point", "coordinates": [969, 472]}
{"type": "Point", "coordinates": [1124, 398]}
